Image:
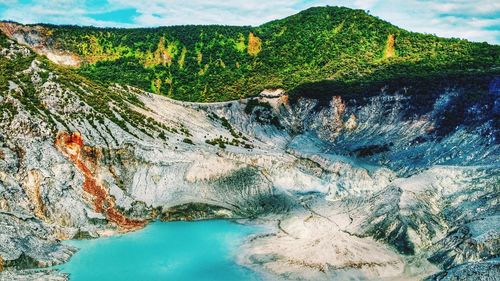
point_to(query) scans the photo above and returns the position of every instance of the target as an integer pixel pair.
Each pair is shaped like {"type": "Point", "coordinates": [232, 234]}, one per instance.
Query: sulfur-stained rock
{"type": "Point", "coordinates": [375, 186]}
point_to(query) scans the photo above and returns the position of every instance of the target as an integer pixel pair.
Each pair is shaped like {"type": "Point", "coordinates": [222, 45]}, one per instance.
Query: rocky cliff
{"type": "Point", "coordinates": [397, 184]}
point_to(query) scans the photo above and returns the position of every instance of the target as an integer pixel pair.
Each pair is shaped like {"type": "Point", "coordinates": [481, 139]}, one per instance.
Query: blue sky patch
{"type": "Point", "coordinates": [118, 16]}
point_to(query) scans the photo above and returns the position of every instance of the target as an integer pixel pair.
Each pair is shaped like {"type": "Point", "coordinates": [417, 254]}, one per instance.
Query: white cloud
{"type": "Point", "coordinates": [474, 20]}
{"type": "Point", "coordinates": [174, 12]}
{"type": "Point", "coordinates": [71, 12]}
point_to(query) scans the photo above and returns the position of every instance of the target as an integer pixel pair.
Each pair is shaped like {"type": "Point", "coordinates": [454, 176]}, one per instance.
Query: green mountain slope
{"type": "Point", "coordinates": [215, 63]}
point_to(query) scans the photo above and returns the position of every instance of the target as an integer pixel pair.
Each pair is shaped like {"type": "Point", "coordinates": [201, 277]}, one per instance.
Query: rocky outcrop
{"type": "Point", "coordinates": [31, 186]}
{"type": "Point", "coordinates": [28, 243]}
{"type": "Point", "coordinates": [36, 38]}
{"type": "Point", "coordinates": [483, 270]}
{"type": "Point", "coordinates": [195, 211]}
{"type": "Point", "coordinates": [473, 241]}
{"type": "Point", "coordinates": [379, 186]}
{"type": "Point", "coordinates": [35, 275]}
{"type": "Point", "coordinates": [85, 159]}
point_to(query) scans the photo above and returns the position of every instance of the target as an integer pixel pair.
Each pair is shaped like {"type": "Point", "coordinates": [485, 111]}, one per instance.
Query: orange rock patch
{"type": "Point", "coordinates": [254, 44]}
{"type": "Point", "coordinates": [85, 159]}
{"type": "Point", "coordinates": [284, 99]}
{"type": "Point", "coordinates": [32, 185]}
{"type": "Point", "coordinates": [8, 28]}
{"type": "Point", "coordinates": [337, 124]}
{"type": "Point", "coordinates": [389, 47]}
{"type": "Point", "coordinates": [338, 113]}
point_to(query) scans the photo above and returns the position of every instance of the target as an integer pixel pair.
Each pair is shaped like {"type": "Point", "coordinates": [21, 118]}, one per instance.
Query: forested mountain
{"type": "Point", "coordinates": [373, 153]}
{"type": "Point", "coordinates": [344, 49]}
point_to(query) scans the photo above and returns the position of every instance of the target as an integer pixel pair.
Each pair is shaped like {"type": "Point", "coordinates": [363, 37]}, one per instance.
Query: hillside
{"type": "Point", "coordinates": [388, 185]}
{"type": "Point", "coordinates": [347, 48]}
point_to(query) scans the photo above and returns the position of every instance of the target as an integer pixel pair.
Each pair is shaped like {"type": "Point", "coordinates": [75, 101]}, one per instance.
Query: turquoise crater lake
{"type": "Point", "coordinates": [203, 250]}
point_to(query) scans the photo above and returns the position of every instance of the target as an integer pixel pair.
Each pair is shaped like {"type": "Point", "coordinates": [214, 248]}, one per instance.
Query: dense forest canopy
{"type": "Point", "coordinates": [217, 63]}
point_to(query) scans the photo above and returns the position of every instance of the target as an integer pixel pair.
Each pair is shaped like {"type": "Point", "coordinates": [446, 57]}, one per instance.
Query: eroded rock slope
{"type": "Point", "coordinates": [388, 186]}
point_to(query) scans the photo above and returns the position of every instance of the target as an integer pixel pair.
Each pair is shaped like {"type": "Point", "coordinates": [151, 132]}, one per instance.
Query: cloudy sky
{"type": "Point", "coordinates": [476, 20]}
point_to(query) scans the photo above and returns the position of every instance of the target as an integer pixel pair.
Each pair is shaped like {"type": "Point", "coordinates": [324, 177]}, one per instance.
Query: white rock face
{"type": "Point", "coordinates": [272, 93]}
{"type": "Point", "coordinates": [32, 37]}
{"type": "Point", "coordinates": [371, 188]}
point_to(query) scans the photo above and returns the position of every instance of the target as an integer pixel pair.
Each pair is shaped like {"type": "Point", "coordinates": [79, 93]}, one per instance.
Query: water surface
{"type": "Point", "coordinates": [203, 250]}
